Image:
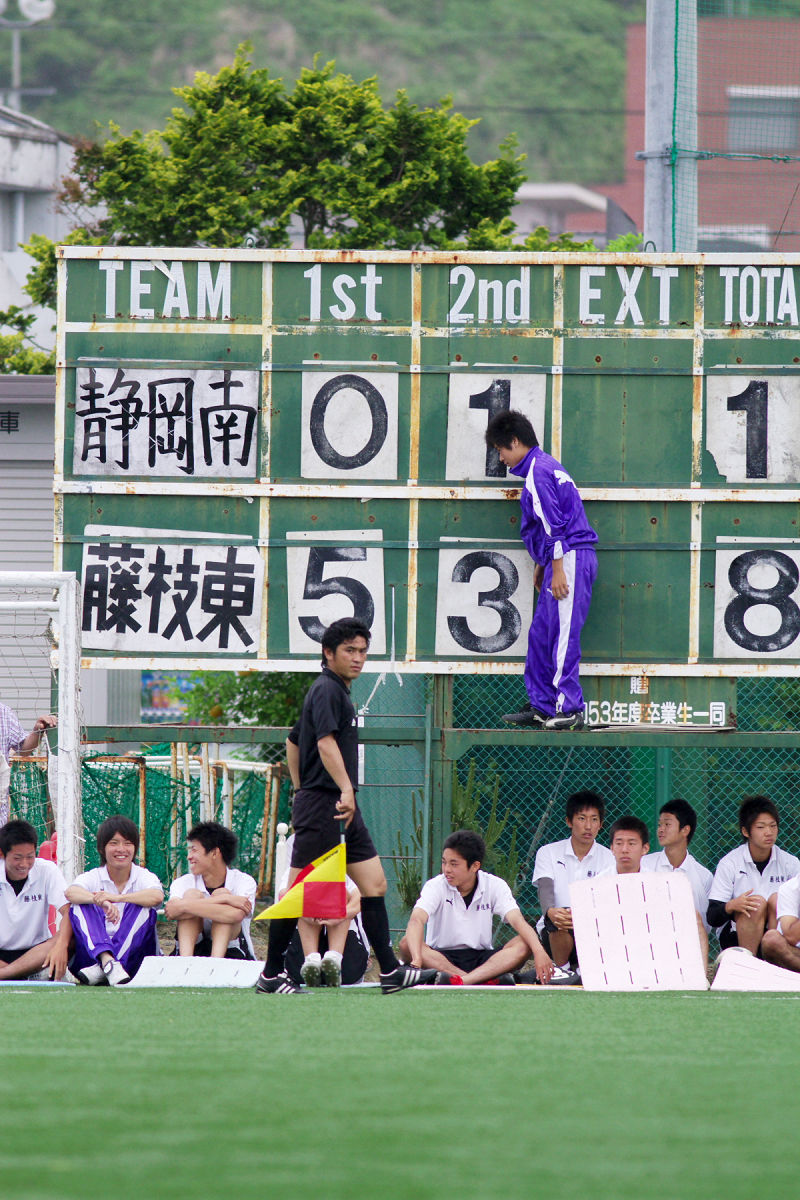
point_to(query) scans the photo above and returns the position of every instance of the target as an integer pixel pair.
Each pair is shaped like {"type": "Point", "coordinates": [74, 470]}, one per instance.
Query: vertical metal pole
{"type": "Point", "coordinates": [670, 179]}
{"type": "Point", "coordinates": [659, 96]}
{"type": "Point", "coordinates": [266, 832]}
{"type": "Point", "coordinates": [14, 95]}
{"type": "Point", "coordinates": [227, 794]}
{"type": "Point", "coordinates": [70, 843]}
{"type": "Point", "coordinates": [441, 770]}
{"type": "Point", "coordinates": [426, 796]}
{"type": "Point", "coordinates": [685, 176]}
{"type": "Point", "coordinates": [142, 767]}
{"type": "Point", "coordinates": [173, 811]}
{"type": "Point", "coordinates": [663, 788]}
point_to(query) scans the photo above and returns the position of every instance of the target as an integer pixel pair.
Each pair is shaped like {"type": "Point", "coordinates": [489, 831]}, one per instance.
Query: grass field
{"type": "Point", "coordinates": [176, 1095]}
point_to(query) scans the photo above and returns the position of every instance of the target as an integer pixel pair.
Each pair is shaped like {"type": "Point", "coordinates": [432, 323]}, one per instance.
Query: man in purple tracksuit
{"type": "Point", "coordinates": [561, 542]}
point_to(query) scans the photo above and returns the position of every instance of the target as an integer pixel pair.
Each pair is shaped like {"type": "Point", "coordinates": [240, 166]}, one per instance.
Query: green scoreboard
{"type": "Point", "coordinates": [251, 444]}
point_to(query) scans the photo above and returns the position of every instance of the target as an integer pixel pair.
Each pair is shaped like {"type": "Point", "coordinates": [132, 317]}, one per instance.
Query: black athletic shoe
{"type": "Point", "coordinates": [528, 717]}
{"type": "Point", "coordinates": [504, 980]}
{"type": "Point", "coordinates": [526, 977]}
{"type": "Point", "coordinates": [406, 976]}
{"type": "Point", "coordinates": [573, 720]}
{"type": "Point", "coordinates": [278, 984]}
{"type": "Point", "coordinates": [445, 979]}
{"type": "Point", "coordinates": [564, 977]}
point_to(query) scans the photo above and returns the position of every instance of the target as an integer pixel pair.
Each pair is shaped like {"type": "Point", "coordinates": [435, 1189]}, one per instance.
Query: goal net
{"type": "Point", "coordinates": [39, 669]}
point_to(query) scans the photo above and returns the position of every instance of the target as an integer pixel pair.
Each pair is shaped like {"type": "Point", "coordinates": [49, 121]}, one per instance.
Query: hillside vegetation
{"type": "Point", "coordinates": [552, 74]}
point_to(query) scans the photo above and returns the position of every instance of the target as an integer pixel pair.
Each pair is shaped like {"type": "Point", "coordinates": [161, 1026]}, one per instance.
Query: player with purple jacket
{"type": "Point", "coordinates": [561, 542]}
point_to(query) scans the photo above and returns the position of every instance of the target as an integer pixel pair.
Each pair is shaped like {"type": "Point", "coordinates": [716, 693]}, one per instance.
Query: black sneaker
{"type": "Point", "coordinates": [573, 720]}
{"type": "Point", "coordinates": [528, 717]}
{"type": "Point", "coordinates": [278, 984]}
{"type": "Point", "coordinates": [564, 977]}
{"type": "Point", "coordinates": [526, 977]}
{"type": "Point", "coordinates": [445, 979]}
{"type": "Point", "coordinates": [504, 980]}
{"type": "Point", "coordinates": [406, 976]}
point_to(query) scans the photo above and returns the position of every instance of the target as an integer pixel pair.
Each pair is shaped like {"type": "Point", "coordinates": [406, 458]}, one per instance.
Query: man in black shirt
{"type": "Point", "coordinates": [322, 752]}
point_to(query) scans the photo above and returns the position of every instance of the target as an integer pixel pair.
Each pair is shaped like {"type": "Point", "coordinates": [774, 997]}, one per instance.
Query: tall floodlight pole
{"type": "Point", "coordinates": [31, 13]}
{"type": "Point", "coordinates": [670, 126]}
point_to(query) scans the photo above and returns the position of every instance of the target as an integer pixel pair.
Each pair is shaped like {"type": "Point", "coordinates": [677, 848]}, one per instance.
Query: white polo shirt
{"type": "Point", "coordinates": [699, 876]}
{"type": "Point", "coordinates": [451, 925]}
{"type": "Point", "coordinates": [559, 862]}
{"type": "Point", "coordinates": [238, 883]}
{"type": "Point", "coordinates": [99, 880]}
{"type": "Point", "coordinates": [737, 873]}
{"type": "Point", "coordinates": [789, 901]}
{"type": "Point", "coordinates": [23, 918]}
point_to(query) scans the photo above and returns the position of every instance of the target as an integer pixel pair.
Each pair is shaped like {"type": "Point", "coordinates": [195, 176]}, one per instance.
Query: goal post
{"type": "Point", "coordinates": [57, 593]}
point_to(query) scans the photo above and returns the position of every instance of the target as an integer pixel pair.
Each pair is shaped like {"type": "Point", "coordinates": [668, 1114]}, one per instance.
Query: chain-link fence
{"type": "Point", "coordinates": [736, 115]}
{"type": "Point", "coordinates": [165, 802]}
{"type": "Point", "coordinates": [514, 793]}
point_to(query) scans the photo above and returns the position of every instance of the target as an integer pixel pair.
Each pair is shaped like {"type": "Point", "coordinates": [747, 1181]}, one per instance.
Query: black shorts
{"type": "Point", "coordinates": [544, 938]}
{"type": "Point", "coordinates": [355, 959]}
{"type": "Point", "coordinates": [202, 949]}
{"type": "Point", "coordinates": [316, 829]}
{"type": "Point", "coordinates": [9, 956]}
{"type": "Point", "coordinates": [726, 936]}
{"type": "Point", "coordinates": [465, 958]}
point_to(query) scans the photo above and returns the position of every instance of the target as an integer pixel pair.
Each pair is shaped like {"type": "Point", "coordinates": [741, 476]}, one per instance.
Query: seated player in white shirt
{"type": "Point", "coordinates": [457, 907]}
{"type": "Point", "coordinates": [782, 945]}
{"type": "Point", "coordinates": [29, 886]}
{"type": "Point", "coordinates": [630, 841]}
{"type": "Point", "coordinates": [741, 903]}
{"type": "Point", "coordinates": [559, 864]}
{"type": "Point", "coordinates": [677, 822]}
{"type": "Point", "coordinates": [213, 904]}
{"type": "Point", "coordinates": [113, 909]}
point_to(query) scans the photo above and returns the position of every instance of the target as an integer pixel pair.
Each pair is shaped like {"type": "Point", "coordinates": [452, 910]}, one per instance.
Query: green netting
{"type": "Point", "coordinates": [28, 795]}
{"type": "Point", "coordinates": [531, 784]}
{"type": "Point", "coordinates": [746, 141]}
{"type": "Point", "coordinates": [110, 786]}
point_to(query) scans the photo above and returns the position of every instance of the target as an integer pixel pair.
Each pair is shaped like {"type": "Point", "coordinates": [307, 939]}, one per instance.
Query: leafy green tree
{"type": "Point", "coordinates": [19, 355]}
{"type": "Point", "coordinates": [243, 156]}
{"type": "Point", "coordinates": [226, 698]}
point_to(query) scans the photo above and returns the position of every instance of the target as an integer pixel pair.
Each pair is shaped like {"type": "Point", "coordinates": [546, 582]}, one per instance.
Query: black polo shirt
{"type": "Point", "coordinates": [327, 709]}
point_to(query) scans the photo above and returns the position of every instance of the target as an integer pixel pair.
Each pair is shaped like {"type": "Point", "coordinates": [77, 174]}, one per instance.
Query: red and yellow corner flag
{"type": "Point", "coordinates": [319, 891]}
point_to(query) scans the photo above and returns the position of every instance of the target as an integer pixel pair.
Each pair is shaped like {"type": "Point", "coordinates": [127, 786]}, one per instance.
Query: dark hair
{"type": "Point", "coordinates": [683, 813]}
{"type": "Point", "coordinates": [341, 631]}
{"type": "Point", "coordinates": [752, 807]}
{"type": "Point", "coordinates": [630, 824]}
{"type": "Point", "coordinates": [468, 844]}
{"type": "Point", "coordinates": [213, 836]}
{"type": "Point", "coordinates": [505, 426]}
{"type": "Point", "coordinates": [17, 833]}
{"type": "Point", "coordinates": [580, 800]}
{"type": "Point", "coordinates": [112, 826]}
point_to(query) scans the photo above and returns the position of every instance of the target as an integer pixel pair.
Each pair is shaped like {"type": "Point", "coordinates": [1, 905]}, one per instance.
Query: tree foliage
{"type": "Point", "coordinates": [244, 156]}
{"type": "Point", "coordinates": [19, 355]}
{"type": "Point", "coordinates": [251, 697]}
